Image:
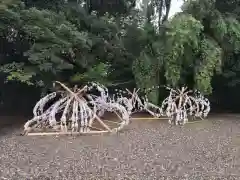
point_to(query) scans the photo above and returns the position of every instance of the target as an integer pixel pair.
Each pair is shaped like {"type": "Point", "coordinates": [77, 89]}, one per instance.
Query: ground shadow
{"type": "Point", "coordinates": [11, 122]}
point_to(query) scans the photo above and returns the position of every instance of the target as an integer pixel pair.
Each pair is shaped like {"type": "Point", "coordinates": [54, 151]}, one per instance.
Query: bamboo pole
{"type": "Point", "coordinates": [63, 133]}
{"type": "Point", "coordinates": [191, 122]}
{"type": "Point", "coordinates": [103, 124]}
{"type": "Point", "coordinates": [111, 121]}
{"type": "Point", "coordinates": [149, 118]}
{"type": "Point", "coordinates": [96, 128]}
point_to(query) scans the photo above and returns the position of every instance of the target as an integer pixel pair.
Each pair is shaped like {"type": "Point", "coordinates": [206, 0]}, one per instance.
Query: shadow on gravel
{"type": "Point", "coordinates": [11, 123]}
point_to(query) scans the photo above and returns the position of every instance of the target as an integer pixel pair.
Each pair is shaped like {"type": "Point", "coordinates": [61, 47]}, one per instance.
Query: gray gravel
{"type": "Point", "coordinates": [146, 150]}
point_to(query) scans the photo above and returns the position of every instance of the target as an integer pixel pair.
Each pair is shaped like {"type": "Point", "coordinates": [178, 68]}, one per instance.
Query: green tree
{"type": "Point", "coordinates": [69, 43]}
{"type": "Point", "coordinates": [202, 35]}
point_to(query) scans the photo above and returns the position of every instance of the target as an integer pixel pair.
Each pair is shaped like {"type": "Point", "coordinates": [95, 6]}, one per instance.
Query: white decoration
{"type": "Point", "coordinates": [80, 108]}
{"type": "Point", "coordinates": [182, 103]}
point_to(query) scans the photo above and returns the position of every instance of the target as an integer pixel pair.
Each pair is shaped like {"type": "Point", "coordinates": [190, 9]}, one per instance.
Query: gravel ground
{"type": "Point", "coordinates": [146, 150]}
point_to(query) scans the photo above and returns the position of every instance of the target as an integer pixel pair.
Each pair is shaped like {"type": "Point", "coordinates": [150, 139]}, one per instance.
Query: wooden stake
{"type": "Point", "coordinates": [118, 116]}
{"type": "Point", "coordinates": [103, 124]}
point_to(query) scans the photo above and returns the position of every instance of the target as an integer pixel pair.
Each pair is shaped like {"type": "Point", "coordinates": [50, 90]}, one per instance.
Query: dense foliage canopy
{"type": "Point", "coordinates": [113, 42]}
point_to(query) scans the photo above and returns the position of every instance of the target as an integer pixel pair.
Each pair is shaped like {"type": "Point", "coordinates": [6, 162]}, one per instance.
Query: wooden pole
{"type": "Point", "coordinates": [64, 133]}
{"type": "Point", "coordinates": [149, 118]}
{"type": "Point", "coordinates": [103, 124]}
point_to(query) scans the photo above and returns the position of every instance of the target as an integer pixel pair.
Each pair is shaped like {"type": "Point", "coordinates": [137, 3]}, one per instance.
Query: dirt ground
{"type": "Point", "coordinates": [145, 150]}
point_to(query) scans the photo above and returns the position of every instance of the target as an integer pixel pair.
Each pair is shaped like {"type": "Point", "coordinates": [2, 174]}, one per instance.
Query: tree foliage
{"type": "Point", "coordinates": [113, 42]}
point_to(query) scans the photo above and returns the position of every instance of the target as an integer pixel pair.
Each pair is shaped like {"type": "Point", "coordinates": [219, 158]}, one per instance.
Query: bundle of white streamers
{"type": "Point", "coordinates": [178, 106]}
{"type": "Point", "coordinates": [135, 103]}
{"type": "Point", "coordinates": [182, 104]}
{"type": "Point", "coordinates": [79, 107]}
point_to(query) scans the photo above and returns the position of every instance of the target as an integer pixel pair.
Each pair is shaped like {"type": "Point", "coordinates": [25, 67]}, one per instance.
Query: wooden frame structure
{"type": "Point", "coordinates": [75, 104]}
{"type": "Point", "coordinates": [80, 111]}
